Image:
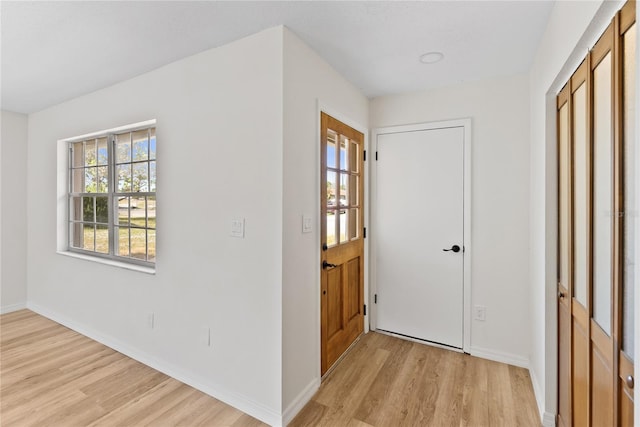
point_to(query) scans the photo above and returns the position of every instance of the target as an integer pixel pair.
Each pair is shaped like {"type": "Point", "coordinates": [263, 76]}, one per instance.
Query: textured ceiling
{"type": "Point", "coordinates": [55, 51]}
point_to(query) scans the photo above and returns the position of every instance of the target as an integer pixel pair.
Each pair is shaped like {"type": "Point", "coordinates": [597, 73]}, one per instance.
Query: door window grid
{"type": "Point", "coordinates": [343, 180]}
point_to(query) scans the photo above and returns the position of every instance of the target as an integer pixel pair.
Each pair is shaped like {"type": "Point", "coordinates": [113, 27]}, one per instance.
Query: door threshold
{"type": "Point", "coordinates": [421, 341]}
{"type": "Point", "coordinates": [337, 362]}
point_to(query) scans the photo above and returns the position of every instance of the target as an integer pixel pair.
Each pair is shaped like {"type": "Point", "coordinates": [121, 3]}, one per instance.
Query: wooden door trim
{"type": "Point", "coordinates": [467, 284]}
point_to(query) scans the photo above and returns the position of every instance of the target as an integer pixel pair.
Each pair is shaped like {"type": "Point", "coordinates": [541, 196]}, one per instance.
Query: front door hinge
{"type": "Point", "coordinates": [364, 232]}
{"type": "Point", "coordinates": [376, 155]}
{"type": "Point", "coordinates": [375, 298]}
{"type": "Point", "coordinates": [364, 156]}
{"type": "Point", "coordinates": [365, 309]}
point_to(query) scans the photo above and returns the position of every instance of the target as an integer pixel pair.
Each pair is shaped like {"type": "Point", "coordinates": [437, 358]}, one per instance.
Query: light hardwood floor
{"type": "Point", "coordinates": [52, 376]}
{"type": "Point", "coordinates": [385, 381]}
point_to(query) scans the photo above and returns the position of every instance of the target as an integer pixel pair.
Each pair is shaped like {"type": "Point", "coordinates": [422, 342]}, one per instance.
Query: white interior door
{"type": "Point", "coordinates": [420, 217]}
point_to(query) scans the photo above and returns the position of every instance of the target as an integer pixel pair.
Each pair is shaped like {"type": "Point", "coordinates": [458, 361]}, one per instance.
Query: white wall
{"type": "Point", "coordinates": [13, 168]}
{"type": "Point", "coordinates": [499, 110]}
{"type": "Point", "coordinates": [308, 79]}
{"type": "Point", "coordinates": [572, 29]}
{"type": "Point", "coordinates": [220, 156]}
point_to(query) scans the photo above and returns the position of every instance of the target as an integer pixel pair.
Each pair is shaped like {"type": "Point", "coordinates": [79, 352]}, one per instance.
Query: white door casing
{"type": "Point", "coordinates": [421, 206]}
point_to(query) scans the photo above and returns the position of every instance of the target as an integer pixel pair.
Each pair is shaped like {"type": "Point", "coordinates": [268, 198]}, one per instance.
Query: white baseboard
{"type": "Point", "coordinates": [498, 356]}
{"type": "Point", "coordinates": [298, 403]}
{"type": "Point", "coordinates": [236, 400]}
{"type": "Point", "coordinates": [548, 420]}
{"type": "Point", "coordinates": [12, 307]}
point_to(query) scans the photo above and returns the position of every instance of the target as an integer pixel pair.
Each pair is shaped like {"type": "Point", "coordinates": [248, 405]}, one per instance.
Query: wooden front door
{"type": "Point", "coordinates": [342, 231]}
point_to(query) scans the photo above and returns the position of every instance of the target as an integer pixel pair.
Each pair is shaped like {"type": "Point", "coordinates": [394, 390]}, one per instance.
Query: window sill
{"type": "Point", "coordinates": [113, 263]}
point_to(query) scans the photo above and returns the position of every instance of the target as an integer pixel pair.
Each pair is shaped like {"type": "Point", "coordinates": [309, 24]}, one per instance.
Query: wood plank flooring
{"type": "Point", "coordinates": [53, 376]}
{"type": "Point", "coordinates": [385, 381]}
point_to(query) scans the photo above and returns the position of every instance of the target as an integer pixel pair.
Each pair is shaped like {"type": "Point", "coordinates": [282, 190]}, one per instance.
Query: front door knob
{"type": "Point", "coordinates": [629, 381]}
{"type": "Point", "coordinates": [326, 265]}
{"type": "Point", "coordinates": [454, 248]}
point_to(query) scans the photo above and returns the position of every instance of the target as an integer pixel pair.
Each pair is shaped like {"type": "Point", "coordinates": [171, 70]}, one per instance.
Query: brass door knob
{"type": "Point", "coordinates": [629, 381]}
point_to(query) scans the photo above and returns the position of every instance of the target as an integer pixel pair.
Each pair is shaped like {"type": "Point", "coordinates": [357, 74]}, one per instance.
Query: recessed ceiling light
{"type": "Point", "coordinates": [431, 57]}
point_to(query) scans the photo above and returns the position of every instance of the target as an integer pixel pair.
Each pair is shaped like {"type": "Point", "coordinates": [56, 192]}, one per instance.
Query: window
{"type": "Point", "coordinates": [112, 195]}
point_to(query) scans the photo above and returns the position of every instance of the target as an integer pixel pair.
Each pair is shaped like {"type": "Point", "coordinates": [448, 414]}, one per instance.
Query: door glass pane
{"type": "Point", "coordinates": [353, 190]}
{"type": "Point", "coordinates": [344, 190]}
{"type": "Point", "coordinates": [331, 228]}
{"type": "Point", "coordinates": [563, 160]}
{"type": "Point", "coordinates": [332, 138]}
{"type": "Point", "coordinates": [343, 226]}
{"type": "Point", "coordinates": [344, 152]}
{"type": "Point", "coordinates": [354, 159]}
{"type": "Point", "coordinates": [630, 190]}
{"type": "Point", "coordinates": [332, 190]}
{"type": "Point", "coordinates": [354, 216]}
{"type": "Point", "coordinates": [580, 189]}
{"type": "Point", "coordinates": [602, 194]}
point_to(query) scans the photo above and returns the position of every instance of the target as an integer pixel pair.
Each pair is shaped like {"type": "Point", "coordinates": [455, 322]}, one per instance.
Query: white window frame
{"type": "Point", "coordinates": [64, 242]}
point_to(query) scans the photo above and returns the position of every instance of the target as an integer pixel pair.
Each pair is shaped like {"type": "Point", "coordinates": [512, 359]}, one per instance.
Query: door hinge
{"type": "Point", "coordinates": [375, 298]}
{"type": "Point", "coordinates": [364, 156]}
{"type": "Point", "coordinates": [376, 156]}
{"type": "Point", "coordinates": [365, 309]}
{"type": "Point", "coordinates": [364, 232]}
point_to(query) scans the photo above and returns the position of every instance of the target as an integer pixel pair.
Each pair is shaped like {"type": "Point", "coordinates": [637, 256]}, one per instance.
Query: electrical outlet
{"type": "Point", "coordinates": [480, 313]}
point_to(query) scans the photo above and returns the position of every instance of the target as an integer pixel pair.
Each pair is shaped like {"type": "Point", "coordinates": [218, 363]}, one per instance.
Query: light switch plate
{"type": "Point", "coordinates": [307, 223]}
{"type": "Point", "coordinates": [237, 227]}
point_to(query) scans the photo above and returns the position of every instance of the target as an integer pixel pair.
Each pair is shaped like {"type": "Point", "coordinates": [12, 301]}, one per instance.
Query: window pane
{"type": "Point", "coordinates": [88, 209]}
{"type": "Point", "coordinates": [332, 192]}
{"type": "Point", "coordinates": [602, 194]}
{"type": "Point", "coordinates": [102, 239]}
{"type": "Point", "coordinates": [140, 177]}
{"type": "Point", "coordinates": [123, 210]}
{"type": "Point", "coordinates": [76, 236]}
{"type": "Point", "coordinates": [331, 228]}
{"type": "Point", "coordinates": [344, 153]}
{"type": "Point", "coordinates": [343, 226]}
{"type": "Point", "coordinates": [123, 241]}
{"type": "Point", "coordinates": [90, 153]}
{"type": "Point", "coordinates": [332, 137]}
{"type": "Point", "coordinates": [151, 212]}
{"type": "Point", "coordinates": [152, 176]}
{"type": "Point", "coordinates": [630, 190]}
{"type": "Point", "coordinates": [564, 183]}
{"type": "Point", "coordinates": [90, 180]}
{"type": "Point", "coordinates": [151, 245]}
{"type": "Point", "coordinates": [77, 154]}
{"type": "Point", "coordinates": [89, 237]}
{"type": "Point", "coordinates": [581, 222]}
{"type": "Point", "coordinates": [102, 210]}
{"type": "Point", "coordinates": [354, 158]}
{"type": "Point", "coordinates": [140, 147]}
{"type": "Point", "coordinates": [123, 148]}
{"type": "Point", "coordinates": [138, 211]}
{"type": "Point", "coordinates": [103, 152]}
{"type": "Point", "coordinates": [75, 209]}
{"type": "Point", "coordinates": [354, 217]}
{"type": "Point", "coordinates": [102, 179]}
{"type": "Point", "coordinates": [152, 144]}
{"type": "Point", "coordinates": [77, 181]}
{"type": "Point", "coordinates": [138, 243]}
{"type": "Point", "coordinates": [124, 177]}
